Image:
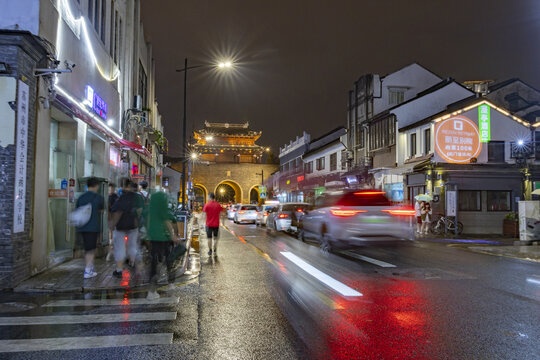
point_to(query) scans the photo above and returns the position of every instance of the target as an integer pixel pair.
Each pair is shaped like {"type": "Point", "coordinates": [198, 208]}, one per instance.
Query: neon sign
{"type": "Point", "coordinates": [484, 122]}
{"type": "Point", "coordinates": [95, 102]}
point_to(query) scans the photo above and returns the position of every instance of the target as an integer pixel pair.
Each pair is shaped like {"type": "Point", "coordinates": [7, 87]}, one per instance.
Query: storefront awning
{"type": "Point", "coordinates": [129, 145]}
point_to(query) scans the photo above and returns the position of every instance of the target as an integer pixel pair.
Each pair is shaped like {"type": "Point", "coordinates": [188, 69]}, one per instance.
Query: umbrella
{"type": "Point", "coordinates": [536, 192]}
{"type": "Point", "coordinates": [423, 197]}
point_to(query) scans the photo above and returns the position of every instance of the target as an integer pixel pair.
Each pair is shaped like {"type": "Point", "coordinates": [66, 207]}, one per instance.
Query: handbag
{"type": "Point", "coordinates": [81, 215]}
{"type": "Point", "coordinates": [176, 253]}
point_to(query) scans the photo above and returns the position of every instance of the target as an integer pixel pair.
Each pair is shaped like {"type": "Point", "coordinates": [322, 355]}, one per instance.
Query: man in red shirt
{"type": "Point", "coordinates": [212, 209]}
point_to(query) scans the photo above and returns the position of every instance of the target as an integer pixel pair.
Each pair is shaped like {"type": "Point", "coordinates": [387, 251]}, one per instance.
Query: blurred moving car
{"type": "Point", "coordinates": [262, 214]}
{"type": "Point", "coordinates": [245, 213]}
{"type": "Point", "coordinates": [355, 218]}
{"type": "Point", "coordinates": [286, 216]}
{"type": "Point", "coordinates": [232, 211]}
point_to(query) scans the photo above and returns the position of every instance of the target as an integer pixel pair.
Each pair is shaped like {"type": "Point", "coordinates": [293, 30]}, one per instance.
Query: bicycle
{"type": "Point", "coordinates": [437, 226]}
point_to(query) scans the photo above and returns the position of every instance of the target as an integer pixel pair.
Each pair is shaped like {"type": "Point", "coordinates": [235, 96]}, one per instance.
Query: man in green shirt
{"type": "Point", "coordinates": [160, 234]}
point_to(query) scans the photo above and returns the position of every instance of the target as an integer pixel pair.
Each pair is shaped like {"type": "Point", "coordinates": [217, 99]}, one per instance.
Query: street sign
{"type": "Point", "coordinates": [263, 195]}
{"type": "Point", "coordinates": [451, 203]}
{"type": "Point", "coordinates": [262, 188]}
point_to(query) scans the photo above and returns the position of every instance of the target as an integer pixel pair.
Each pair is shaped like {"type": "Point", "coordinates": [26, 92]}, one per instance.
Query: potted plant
{"type": "Point", "coordinates": [511, 225]}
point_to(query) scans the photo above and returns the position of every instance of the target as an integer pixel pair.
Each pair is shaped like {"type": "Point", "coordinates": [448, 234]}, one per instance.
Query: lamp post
{"type": "Point", "coordinates": [221, 65]}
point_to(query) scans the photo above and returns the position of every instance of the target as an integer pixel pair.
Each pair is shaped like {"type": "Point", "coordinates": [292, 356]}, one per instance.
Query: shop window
{"type": "Point", "coordinates": [412, 145]}
{"type": "Point", "coordinates": [498, 200]}
{"type": "Point", "coordinates": [496, 151]}
{"type": "Point", "coordinates": [470, 200]}
{"type": "Point", "coordinates": [333, 162]}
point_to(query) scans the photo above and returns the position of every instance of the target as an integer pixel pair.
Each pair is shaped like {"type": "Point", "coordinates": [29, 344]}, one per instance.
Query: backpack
{"type": "Point", "coordinates": [81, 215]}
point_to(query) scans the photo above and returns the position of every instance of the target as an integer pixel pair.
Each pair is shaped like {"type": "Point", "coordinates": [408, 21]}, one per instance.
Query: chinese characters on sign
{"type": "Point", "coordinates": [457, 140]}
{"type": "Point", "coordinates": [20, 157]}
{"type": "Point", "coordinates": [484, 122]}
{"type": "Point", "coordinates": [94, 101]}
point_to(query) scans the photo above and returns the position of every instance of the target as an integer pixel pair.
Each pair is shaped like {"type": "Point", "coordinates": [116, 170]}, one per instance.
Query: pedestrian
{"type": "Point", "coordinates": [161, 236]}
{"type": "Point", "coordinates": [143, 186]}
{"type": "Point", "coordinates": [212, 209]}
{"type": "Point", "coordinates": [418, 211]}
{"type": "Point", "coordinates": [113, 196]}
{"type": "Point", "coordinates": [426, 217]}
{"type": "Point", "coordinates": [126, 214]}
{"type": "Point", "coordinates": [91, 230]}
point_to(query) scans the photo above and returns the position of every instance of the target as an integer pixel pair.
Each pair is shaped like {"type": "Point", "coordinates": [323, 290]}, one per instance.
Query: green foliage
{"type": "Point", "coordinates": [512, 216]}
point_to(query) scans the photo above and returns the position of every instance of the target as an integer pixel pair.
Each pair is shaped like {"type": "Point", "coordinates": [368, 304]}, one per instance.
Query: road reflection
{"type": "Point", "coordinates": [342, 314]}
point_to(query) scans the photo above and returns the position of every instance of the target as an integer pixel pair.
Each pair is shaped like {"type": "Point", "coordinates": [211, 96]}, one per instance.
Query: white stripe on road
{"type": "Point", "coordinates": [322, 277]}
{"type": "Point", "coordinates": [368, 259]}
{"type": "Point", "coordinates": [86, 319]}
{"type": "Point", "coordinates": [88, 342]}
{"type": "Point", "coordinates": [113, 302]}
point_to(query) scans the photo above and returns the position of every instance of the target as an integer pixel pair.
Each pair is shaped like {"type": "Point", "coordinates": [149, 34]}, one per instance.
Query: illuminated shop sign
{"type": "Point", "coordinates": [484, 123]}
{"type": "Point", "coordinates": [96, 103]}
{"type": "Point", "coordinates": [457, 140]}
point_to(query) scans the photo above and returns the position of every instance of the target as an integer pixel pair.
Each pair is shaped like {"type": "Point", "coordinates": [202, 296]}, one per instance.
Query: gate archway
{"type": "Point", "coordinates": [229, 191]}
{"type": "Point", "coordinates": [254, 194]}
{"type": "Point", "coordinates": [201, 194]}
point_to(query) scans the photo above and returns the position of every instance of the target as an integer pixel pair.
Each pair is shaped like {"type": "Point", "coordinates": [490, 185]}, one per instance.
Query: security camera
{"type": "Point", "coordinates": [69, 64]}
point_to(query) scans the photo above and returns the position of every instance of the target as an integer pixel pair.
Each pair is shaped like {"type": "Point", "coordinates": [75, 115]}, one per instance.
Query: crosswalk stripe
{"type": "Point", "coordinates": [71, 343]}
{"type": "Point", "coordinates": [368, 259]}
{"type": "Point", "coordinates": [87, 319]}
{"type": "Point", "coordinates": [113, 302]}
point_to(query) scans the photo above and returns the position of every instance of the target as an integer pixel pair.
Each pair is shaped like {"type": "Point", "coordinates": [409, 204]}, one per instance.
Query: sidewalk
{"type": "Point", "coordinates": [530, 252]}
{"type": "Point", "coordinates": [68, 277]}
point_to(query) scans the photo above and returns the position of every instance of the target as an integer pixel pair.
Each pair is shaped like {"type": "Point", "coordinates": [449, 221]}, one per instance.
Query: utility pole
{"type": "Point", "coordinates": [184, 145]}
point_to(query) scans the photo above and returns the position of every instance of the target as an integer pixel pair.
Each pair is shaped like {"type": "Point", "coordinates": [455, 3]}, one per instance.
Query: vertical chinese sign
{"type": "Point", "coordinates": [484, 123]}
{"type": "Point", "coordinates": [21, 157]}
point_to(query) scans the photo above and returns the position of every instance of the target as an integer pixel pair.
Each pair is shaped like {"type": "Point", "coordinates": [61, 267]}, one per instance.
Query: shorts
{"type": "Point", "coordinates": [89, 240]}
{"type": "Point", "coordinates": [120, 244]}
{"type": "Point", "coordinates": [418, 219]}
{"type": "Point", "coordinates": [212, 231]}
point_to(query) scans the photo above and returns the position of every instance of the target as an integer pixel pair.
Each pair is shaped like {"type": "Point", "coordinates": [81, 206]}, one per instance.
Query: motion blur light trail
{"type": "Point", "coordinates": [322, 277]}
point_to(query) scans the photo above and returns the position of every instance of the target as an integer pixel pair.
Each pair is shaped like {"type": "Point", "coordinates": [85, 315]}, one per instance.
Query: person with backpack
{"type": "Point", "coordinates": [126, 211]}
{"type": "Point", "coordinates": [90, 230]}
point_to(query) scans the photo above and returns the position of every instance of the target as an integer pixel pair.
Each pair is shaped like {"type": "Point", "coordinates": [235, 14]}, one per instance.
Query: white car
{"type": "Point", "coordinates": [232, 211]}
{"type": "Point", "coordinates": [262, 214]}
{"type": "Point", "coordinates": [285, 216]}
{"type": "Point", "coordinates": [245, 213]}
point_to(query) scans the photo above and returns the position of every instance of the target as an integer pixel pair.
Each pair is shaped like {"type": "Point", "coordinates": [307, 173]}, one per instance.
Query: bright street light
{"type": "Point", "coordinates": [209, 138]}
{"type": "Point", "coordinates": [222, 190]}
{"type": "Point", "coordinates": [194, 156]}
{"type": "Point", "coordinates": [226, 64]}
{"type": "Point", "coordinates": [520, 142]}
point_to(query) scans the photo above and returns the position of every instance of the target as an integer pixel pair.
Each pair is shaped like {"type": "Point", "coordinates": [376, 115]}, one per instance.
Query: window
{"type": "Point", "coordinates": [382, 133]}
{"type": "Point", "coordinates": [498, 200]}
{"type": "Point", "coordinates": [333, 162]}
{"type": "Point", "coordinates": [412, 146]}
{"type": "Point", "coordinates": [396, 96]}
{"type": "Point", "coordinates": [96, 14]}
{"type": "Point", "coordinates": [360, 136]}
{"type": "Point", "coordinates": [91, 11]}
{"type": "Point", "coordinates": [309, 167]}
{"type": "Point", "coordinates": [320, 163]}
{"type": "Point", "coordinates": [427, 141]}
{"type": "Point", "coordinates": [143, 85]}
{"type": "Point", "coordinates": [344, 160]}
{"type": "Point", "coordinates": [469, 200]}
{"type": "Point", "coordinates": [496, 151]}
{"type": "Point", "coordinates": [537, 145]}
{"type": "Point", "coordinates": [112, 32]}
{"type": "Point", "coordinates": [119, 43]}
{"type": "Point", "coordinates": [103, 17]}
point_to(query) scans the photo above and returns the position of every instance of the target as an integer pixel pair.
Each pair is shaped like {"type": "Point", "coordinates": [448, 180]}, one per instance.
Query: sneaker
{"type": "Point", "coordinates": [117, 274]}
{"type": "Point", "coordinates": [215, 252]}
{"type": "Point", "coordinates": [89, 274]}
{"type": "Point", "coordinates": [210, 252]}
{"type": "Point", "coordinates": [152, 295]}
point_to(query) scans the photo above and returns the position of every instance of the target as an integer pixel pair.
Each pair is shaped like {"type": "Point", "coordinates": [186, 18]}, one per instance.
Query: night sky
{"type": "Point", "coordinates": [297, 59]}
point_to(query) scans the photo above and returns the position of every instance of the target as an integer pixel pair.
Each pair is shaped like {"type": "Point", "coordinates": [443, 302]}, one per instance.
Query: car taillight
{"type": "Point", "coordinates": [300, 210]}
{"type": "Point", "coordinates": [346, 212]}
{"type": "Point", "coordinates": [234, 210]}
{"type": "Point", "coordinates": [401, 212]}
{"type": "Point", "coordinates": [283, 216]}
{"type": "Point", "coordinates": [241, 212]}
{"type": "Point", "coordinates": [265, 214]}
{"type": "Point", "coordinates": [369, 193]}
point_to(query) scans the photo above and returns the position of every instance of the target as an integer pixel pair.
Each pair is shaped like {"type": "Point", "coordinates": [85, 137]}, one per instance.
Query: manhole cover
{"type": "Point", "coordinates": [10, 307]}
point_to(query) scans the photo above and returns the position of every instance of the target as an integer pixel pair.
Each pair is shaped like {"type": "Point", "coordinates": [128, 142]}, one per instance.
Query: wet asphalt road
{"type": "Point", "coordinates": [255, 300]}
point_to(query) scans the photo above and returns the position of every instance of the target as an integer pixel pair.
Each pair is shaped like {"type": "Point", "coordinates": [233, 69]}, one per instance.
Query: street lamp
{"type": "Point", "coordinates": [221, 65]}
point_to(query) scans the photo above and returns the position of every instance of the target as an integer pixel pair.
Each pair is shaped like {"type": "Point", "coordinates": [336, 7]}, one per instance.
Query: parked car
{"type": "Point", "coordinates": [355, 218]}
{"type": "Point", "coordinates": [262, 214]}
{"type": "Point", "coordinates": [286, 216]}
{"type": "Point", "coordinates": [232, 211]}
{"type": "Point", "coordinates": [245, 213]}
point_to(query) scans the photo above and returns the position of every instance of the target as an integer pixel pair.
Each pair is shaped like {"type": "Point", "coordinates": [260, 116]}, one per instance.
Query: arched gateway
{"type": "Point", "coordinates": [229, 162]}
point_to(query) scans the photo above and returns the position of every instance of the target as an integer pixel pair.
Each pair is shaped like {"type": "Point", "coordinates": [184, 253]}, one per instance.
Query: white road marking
{"type": "Point", "coordinates": [533, 281]}
{"type": "Point", "coordinates": [88, 342]}
{"type": "Point", "coordinates": [113, 302]}
{"type": "Point", "coordinates": [86, 319]}
{"type": "Point", "coordinates": [322, 277]}
{"type": "Point", "coordinates": [368, 259]}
